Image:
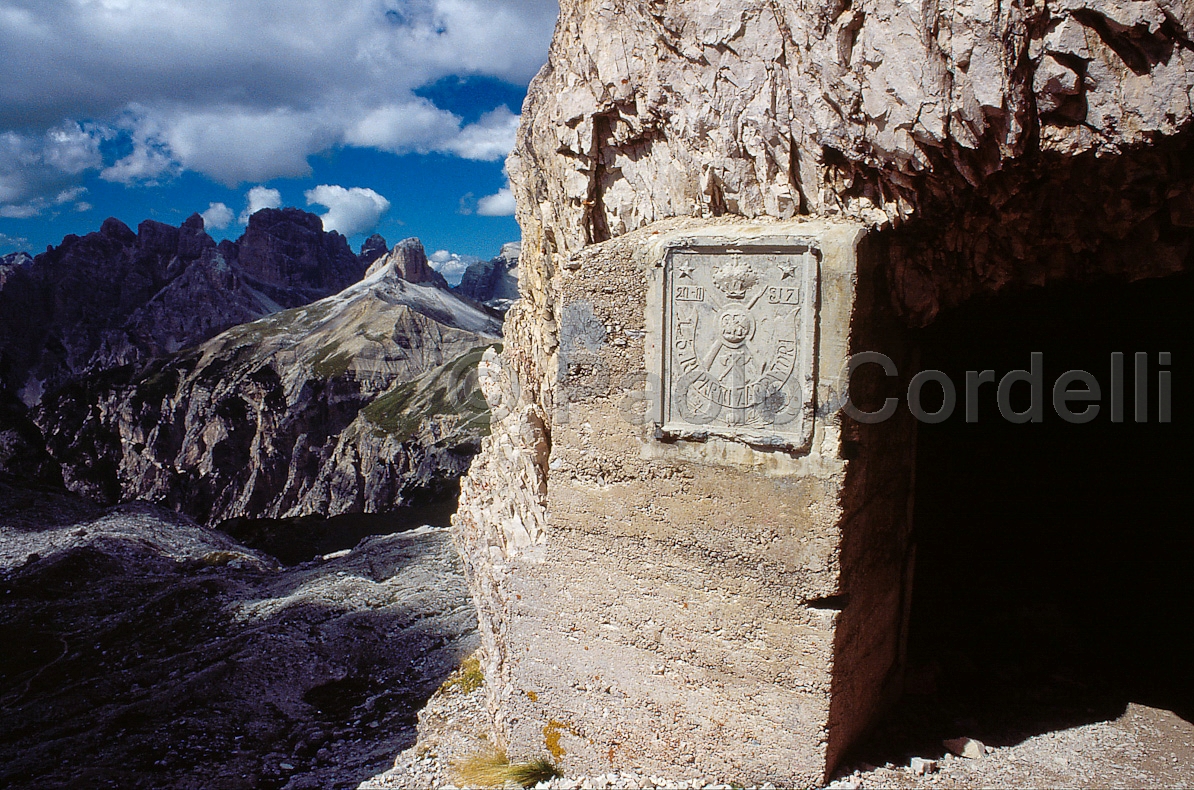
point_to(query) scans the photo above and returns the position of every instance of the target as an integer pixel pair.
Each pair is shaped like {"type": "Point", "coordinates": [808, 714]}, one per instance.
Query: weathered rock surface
{"type": "Point", "coordinates": [116, 297]}
{"type": "Point", "coordinates": [409, 260]}
{"type": "Point", "coordinates": [146, 651]}
{"type": "Point", "coordinates": [287, 250]}
{"type": "Point", "coordinates": [880, 113]}
{"type": "Point", "coordinates": [984, 146]}
{"type": "Point", "coordinates": [345, 405]}
{"type": "Point", "coordinates": [493, 282]}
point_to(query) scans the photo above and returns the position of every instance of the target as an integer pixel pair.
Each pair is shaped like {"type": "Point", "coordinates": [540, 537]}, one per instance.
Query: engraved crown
{"type": "Point", "coordinates": [734, 278]}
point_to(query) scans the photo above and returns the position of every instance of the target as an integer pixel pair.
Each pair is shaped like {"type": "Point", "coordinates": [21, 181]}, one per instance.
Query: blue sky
{"type": "Point", "coordinates": [388, 116]}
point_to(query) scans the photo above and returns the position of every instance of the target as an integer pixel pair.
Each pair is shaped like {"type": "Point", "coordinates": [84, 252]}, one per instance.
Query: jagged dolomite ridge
{"type": "Point", "coordinates": [349, 404]}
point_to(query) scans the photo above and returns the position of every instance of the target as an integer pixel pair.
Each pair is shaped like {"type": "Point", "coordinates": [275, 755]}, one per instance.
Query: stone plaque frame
{"type": "Point", "coordinates": [734, 340]}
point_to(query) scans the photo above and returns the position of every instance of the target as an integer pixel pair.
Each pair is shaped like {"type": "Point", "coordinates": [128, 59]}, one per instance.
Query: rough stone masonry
{"type": "Point", "coordinates": [684, 557]}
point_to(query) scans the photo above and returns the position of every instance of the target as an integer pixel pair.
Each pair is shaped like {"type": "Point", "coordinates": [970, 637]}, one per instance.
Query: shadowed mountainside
{"type": "Point", "coordinates": [346, 405]}
{"type": "Point", "coordinates": [146, 651]}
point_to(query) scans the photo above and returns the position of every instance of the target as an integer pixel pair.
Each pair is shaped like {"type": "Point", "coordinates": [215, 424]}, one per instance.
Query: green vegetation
{"type": "Point", "coordinates": [494, 769]}
{"type": "Point", "coordinates": [389, 411]}
{"type": "Point", "coordinates": [465, 680]}
{"type": "Point", "coordinates": [332, 362]}
{"type": "Point", "coordinates": [295, 319]}
{"type": "Point", "coordinates": [450, 389]}
{"type": "Point", "coordinates": [255, 331]}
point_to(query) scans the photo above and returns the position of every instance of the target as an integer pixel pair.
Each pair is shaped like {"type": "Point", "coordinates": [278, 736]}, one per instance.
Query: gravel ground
{"type": "Point", "coordinates": [1142, 748]}
{"type": "Point", "coordinates": [141, 650]}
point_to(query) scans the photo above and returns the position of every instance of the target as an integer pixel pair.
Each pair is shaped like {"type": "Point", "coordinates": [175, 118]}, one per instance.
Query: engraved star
{"type": "Point", "coordinates": [685, 267]}
{"type": "Point", "coordinates": [788, 268]}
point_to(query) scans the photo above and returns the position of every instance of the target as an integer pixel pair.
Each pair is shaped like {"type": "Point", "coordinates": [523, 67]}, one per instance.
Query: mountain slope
{"type": "Point", "coordinates": [265, 419]}
{"type": "Point", "coordinates": [144, 651]}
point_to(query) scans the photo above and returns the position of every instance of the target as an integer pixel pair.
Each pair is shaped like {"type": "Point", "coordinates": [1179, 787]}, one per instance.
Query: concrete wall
{"type": "Point", "coordinates": [686, 608]}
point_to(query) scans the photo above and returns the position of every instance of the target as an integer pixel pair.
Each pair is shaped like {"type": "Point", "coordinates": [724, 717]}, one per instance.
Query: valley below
{"type": "Point", "coordinates": [145, 650]}
{"type": "Point", "coordinates": [226, 477]}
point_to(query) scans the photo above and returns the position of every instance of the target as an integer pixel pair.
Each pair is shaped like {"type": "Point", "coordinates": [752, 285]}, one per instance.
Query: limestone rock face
{"type": "Point", "coordinates": [409, 261]}
{"type": "Point", "coordinates": [345, 405]}
{"type": "Point", "coordinates": [872, 111]}
{"type": "Point", "coordinates": [493, 282]}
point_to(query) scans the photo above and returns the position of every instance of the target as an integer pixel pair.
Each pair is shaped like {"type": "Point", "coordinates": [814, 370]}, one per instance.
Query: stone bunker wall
{"type": "Point", "coordinates": [665, 589]}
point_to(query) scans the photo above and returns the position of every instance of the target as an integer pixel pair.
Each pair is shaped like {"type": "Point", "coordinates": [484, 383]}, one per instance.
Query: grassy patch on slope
{"type": "Point", "coordinates": [451, 389]}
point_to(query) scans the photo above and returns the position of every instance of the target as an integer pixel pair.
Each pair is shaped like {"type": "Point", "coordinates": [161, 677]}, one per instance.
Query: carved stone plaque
{"type": "Point", "coordinates": [737, 345]}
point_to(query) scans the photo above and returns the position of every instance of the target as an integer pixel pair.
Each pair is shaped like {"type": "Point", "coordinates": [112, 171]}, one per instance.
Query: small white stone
{"type": "Point", "coordinates": [965, 747]}
{"type": "Point", "coordinates": [920, 766]}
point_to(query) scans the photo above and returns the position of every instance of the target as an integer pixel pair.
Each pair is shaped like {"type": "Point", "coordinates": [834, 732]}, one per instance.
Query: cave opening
{"type": "Point", "coordinates": [1054, 571]}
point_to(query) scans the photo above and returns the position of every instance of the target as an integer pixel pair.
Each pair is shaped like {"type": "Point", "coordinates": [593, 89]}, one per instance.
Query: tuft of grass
{"type": "Point", "coordinates": [493, 769]}
{"type": "Point", "coordinates": [219, 559]}
{"type": "Point", "coordinates": [467, 679]}
{"type": "Point", "coordinates": [533, 772]}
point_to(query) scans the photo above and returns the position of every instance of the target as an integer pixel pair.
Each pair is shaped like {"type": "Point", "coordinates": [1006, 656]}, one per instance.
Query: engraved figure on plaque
{"type": "Point", "coordinates": [738, 344]}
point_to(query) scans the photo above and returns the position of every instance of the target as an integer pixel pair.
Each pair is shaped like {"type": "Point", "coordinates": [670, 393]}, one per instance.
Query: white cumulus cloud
{"type": "Point", "coordinates": [217, 216]}
{"type": "Point", "coordinates": [490, 138]}
{"type": "Point", "coordinates": [40, 171]}
{"type": "Point", "coordinates": [245, 92]}
{"type": "Point", "coordinates": [350, 211]}
{"type": "Point", "coordinates": [145, 164]}
{"type": "Point", "coordinates": [150, 161]}
{"type": "Point", "coordinates": [401, 128]}
{"type": "Point", "coordinates": [499, 204]}
{"type": "Point", "coordinates": [257, 198]}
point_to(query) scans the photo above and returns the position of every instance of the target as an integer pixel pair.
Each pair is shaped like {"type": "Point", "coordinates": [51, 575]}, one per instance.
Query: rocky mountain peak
{"type": "Point", "coordinates": [373, 248]}
{"type": "Point", "coordinates": [16, 259]}
{"type": "Point", "coordinates": [288, 247]}
{"type": "Point", "coordinates": [408, 260]}
{"type": "Point", "coordinates": [494, 282]}
{"type": "Point", "coordinates": [113, 229]}
{"type": "Point", "coordinates": [12, 263]}
{"type": "Point", "coordinates": [510, 252]}
{"type": "Point", "coordinates": [155, 237]}
{"type": "Point", "coordinates": [116, 297]}
{"type": "Point", "coordinates": [193, 240]}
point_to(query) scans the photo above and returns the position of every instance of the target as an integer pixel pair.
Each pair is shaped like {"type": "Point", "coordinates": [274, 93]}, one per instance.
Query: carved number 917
{"type": "Point", "coordinates": [781, 295]}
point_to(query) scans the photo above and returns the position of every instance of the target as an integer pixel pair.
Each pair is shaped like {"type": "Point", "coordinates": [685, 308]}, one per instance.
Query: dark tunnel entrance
{"type": "Point", "coordinates": [1054, 579]}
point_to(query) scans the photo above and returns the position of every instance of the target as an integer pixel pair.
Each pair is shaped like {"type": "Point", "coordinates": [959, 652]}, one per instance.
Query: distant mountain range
{"type": "Point", "coordinates": [277, 375]}
{"type": "Point", "coordinates": [494, 282]}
